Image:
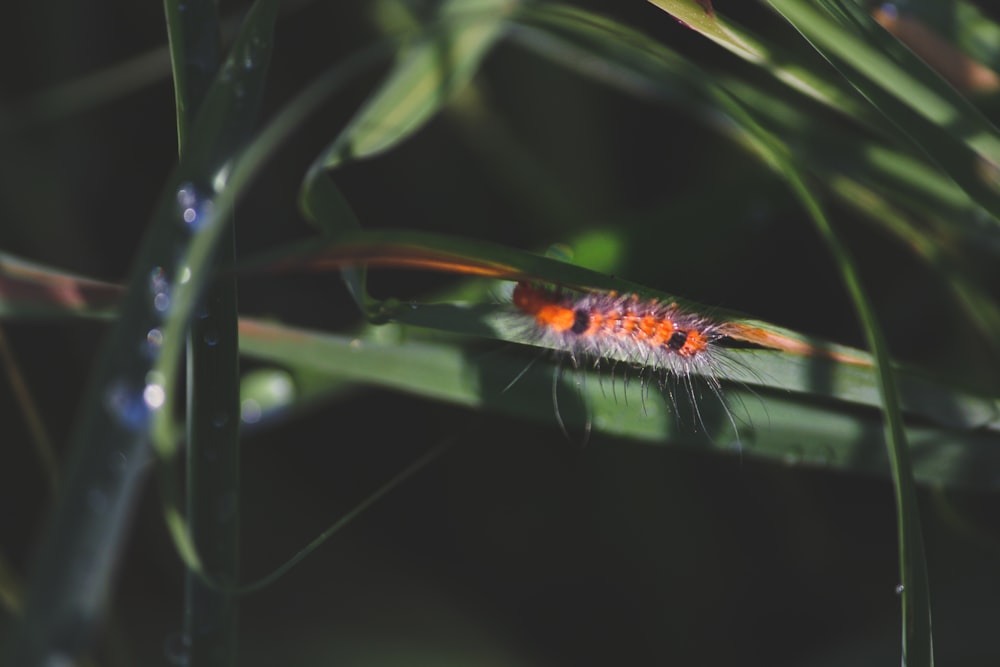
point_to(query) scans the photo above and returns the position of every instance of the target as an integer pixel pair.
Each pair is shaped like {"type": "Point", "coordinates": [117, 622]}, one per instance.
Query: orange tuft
{"type": "Point", "coordinates": [556, 317]}
{"type": "Point", "coordinates": [695, 343]}
{"type": "Point", "coordinates": [546, 310]}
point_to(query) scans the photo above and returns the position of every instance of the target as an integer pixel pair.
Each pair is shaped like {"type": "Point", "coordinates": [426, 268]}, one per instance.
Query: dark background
{"type": "Point", "coordinates": [520, 547]}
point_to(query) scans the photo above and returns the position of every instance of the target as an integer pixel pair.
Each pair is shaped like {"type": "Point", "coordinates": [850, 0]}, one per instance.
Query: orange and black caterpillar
{"type": "Point", "coordinates": [622, 327]}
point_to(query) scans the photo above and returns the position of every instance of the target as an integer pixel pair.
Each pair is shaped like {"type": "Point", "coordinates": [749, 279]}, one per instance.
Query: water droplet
{"type": "Point", "coordinates": [220, 419]}
{"type": "Point", "coordinates": [127, 406]}
{"type": "Point", "coordinates": [211, 337]}
{"type": "Point", "coordinates": [177, 648]}
{"type": "Point", "coordinates": [159, 287]}
{"type": "Point", "coordinates": [154, 341]}
{"type": "Point", "coordinates": [154, 395]}
{"type": "Point", "coordinates": [900, 588]}
{"type": "Point", "coordinates": [250, 411]}
{"type": "Point", "coordinates": [194, 209]}
{"type": "Point", "coordinates": [158, 280]}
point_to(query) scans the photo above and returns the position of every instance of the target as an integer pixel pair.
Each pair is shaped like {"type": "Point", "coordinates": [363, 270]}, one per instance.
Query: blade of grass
{"type": "Point", "coordinates": [775, 425]}
{"type": "Point", "coordinates": [438, 60]}
{"type": "Point", "coordinates": [945, 405]}
{"type": "Point", "coordinates": [131, 389]}
{"type": "Point", "coordinates": [210, 614]}
{"type": "Point", "coordinates": [917, 639]}
{"type": "Point", "coordinates": [927, 111]}
{"type": "Point", "coordinates": [916, 606]}
{"type": "Point", "coordinates": [801, 71]}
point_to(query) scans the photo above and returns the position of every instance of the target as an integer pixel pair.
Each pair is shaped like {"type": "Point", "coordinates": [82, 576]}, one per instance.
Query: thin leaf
{"type": "Point", "coordinates": [131, 389]}
{"type": "Point", "coordinates": [773, 424]}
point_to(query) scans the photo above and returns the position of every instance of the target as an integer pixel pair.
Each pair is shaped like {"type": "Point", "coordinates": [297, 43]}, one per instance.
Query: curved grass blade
{"type": "Point", "coordinates": [916, 608]}
{"type": "Point", "coordinates": [131, 389]}
{"type": "Point", "coordinates": [437, 61]}
{"type": "Point", "coordinates": [809, 76]}
{"type": "Point", "coordinates": [927, 111]}
{"type": "Point", "coordinates": [964, 144]}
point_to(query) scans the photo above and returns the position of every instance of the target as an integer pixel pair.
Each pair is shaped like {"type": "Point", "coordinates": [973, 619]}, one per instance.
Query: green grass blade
{"type": "Point", "coordinates": [213, 447]}
{"type": "Point", "coordinates": [804, 73]}
{"type": "Point", "coordinates": [774, 423]}
{"type": "Point", "coordinates": [430, 67]}
{"type": "Point", "coordinates": [943, 405]}
{"type": "Point", "coordinates": [924, 107]}
{"type": "Point", "coordinates": [131, 388]}
{"type": "Point", "coordinates": [917, 644]}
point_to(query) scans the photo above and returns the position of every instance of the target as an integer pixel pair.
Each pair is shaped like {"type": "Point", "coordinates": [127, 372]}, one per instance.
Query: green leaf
{"type": "Point", "coordinates": [798, 429]}
{"type": "Point", "coordinates": [131, 389]}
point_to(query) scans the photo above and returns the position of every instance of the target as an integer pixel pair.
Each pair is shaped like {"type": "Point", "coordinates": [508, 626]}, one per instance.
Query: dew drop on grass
{"type": "Point", "coordinates": [154, 337]}
{"type": "Point", "coordinates": [159, 288]}
{"type": "Point", "coordinates": [193, 208]}
{"type": "Point", "coordinates": [154, 395]}
{"type": "Point", "coordinates": [127, 406]}
{"type": "Point", "coordinates": [250, 411]}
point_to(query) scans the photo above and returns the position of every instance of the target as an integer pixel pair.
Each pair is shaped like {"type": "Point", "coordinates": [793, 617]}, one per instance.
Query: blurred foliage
{"type": "Point", "coordinates": [622, 133]}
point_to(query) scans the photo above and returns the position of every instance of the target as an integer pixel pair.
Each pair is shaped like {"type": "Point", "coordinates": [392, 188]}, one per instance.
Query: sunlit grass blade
{"type": "Point", "coordinates": [916, 612]}
{"type": "Point", "coordinates": [430, 67]}
{"type": "Point", "coordinates": [808, 75]}
{"type": "Point", "coordinates": [436, 61]}
{"type": "Point", "coordinates": [774, 424]}
{"type": "Point", "coordinates": [851, 382]}
{"type": "Point", "coordinates": [845, 380]}
{"type": "Point", "coordinates": [769, 148]}
{"type": "Point", "coordinates": [927, 111]}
